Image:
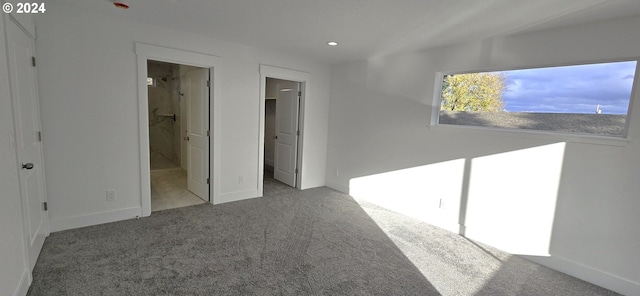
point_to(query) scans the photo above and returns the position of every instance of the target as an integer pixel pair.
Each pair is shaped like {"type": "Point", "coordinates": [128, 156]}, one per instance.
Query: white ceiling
{"type": "Point", "coordinates": [364, 28]}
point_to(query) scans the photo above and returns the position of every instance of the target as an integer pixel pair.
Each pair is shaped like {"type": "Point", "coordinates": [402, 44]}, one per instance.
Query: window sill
{"type": "Point", "coordinates": [531, 134]}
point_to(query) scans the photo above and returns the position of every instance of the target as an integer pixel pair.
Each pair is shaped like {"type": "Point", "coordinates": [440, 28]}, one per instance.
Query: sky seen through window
{"type": "Point", "coordinates": [570, 89]}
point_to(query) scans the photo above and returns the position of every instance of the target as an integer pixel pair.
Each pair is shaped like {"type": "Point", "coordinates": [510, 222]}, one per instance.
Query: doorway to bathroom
{"type": "Point", "coordinates": [178, 112]}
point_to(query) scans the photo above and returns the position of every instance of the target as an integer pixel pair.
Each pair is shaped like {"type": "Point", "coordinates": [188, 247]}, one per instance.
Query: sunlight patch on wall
{"type": "Point", "coordinates": [512, 199]}
{"type": "Point", "coordinates": [510, 202]}
{"type": "Point", "coordinates": [430, 193]}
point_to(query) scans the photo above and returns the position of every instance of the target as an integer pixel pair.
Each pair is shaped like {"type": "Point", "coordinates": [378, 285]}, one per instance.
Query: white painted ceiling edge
{"type": "Point", "coordinates": [363, 29]}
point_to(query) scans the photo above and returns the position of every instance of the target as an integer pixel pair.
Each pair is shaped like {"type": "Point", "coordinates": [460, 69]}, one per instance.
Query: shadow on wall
{"type": "Point", "coordinates": [506, 200]}
{"type": "Point", "coordinates": [456, 265]}
{"type": "Point", "coordinates": [503, 194]}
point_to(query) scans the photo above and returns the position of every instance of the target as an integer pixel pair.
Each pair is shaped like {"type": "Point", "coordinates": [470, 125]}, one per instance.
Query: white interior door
{"type": "Point", "coordinates": [286, 142]}
{"type": "Point", "coordinates": [195, 87]}
{"type": "Point", "coordinates": [24, 98]}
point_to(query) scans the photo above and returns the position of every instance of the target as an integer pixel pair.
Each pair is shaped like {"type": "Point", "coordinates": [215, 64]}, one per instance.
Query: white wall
{"type": "Point", "coordinates": [581, 195]}
{"type": "Point", "coordinates": [87, 79]}
{"type": "Point", "coordinates": [14, 273]}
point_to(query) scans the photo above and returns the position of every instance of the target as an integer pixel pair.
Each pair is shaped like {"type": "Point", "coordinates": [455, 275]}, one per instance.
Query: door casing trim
{"type": "Point", "coordinates": [286, 74]}
{"type": "Point", "coordinates": [145, 52]}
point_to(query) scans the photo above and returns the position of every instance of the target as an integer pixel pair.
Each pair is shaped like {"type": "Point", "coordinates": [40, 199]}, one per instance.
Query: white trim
{"type": "Point", "coordinates": [589, 274]}
{"type": "Point", "coordinates": [146, 52]}
{"type": "Point", "coordinates": [145, 165]}
{"type": "Point", "coordinates": [26, 25]}
{"type": "Point", "coordinates": [437, 99]}
{"type": "Point", "coordinates": [23, 286]}
{"type": "Point", "coordinates": [634, 93]}
{"type": "Point", "coordinates": [176, 56]}
{"type": "Point", "coordinates": [285, 74]}
{"type": "Point", "coordinates": [94, 219]}
{"type": "Point", "coordinates": [338, 186]}
{"type": "Point", "coordinates": [237, 195]}
{"type": "Point", "coordinates": [581, 271]}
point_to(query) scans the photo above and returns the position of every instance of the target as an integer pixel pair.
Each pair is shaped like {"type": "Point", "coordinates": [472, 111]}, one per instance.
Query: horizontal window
{"type": "Point", "coordinates": [582, 99]}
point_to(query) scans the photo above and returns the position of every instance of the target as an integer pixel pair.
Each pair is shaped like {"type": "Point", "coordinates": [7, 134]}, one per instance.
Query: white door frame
{"type": "Point", "coordinates": [285, 74]}
{"type": "Point", "coordinates": [147, 52]}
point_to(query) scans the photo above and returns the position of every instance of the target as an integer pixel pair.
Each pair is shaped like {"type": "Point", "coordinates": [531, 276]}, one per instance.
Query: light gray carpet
{"type": "Point", "coordinates": [312, 242]}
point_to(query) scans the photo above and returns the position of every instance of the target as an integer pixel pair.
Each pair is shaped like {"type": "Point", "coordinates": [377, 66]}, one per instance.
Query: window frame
{"type": "Point", "coordinates": [533, 133]}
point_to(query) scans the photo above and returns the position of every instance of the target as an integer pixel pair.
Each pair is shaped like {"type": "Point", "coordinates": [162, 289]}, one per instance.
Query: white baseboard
{"type": "Point", "coordinates": [310, 183]}
{"type": "Point", "coordinates": [94, 219]}
{"type": "Point", "coordinates": [589, 274]}
{"type": "Point", "coordinates": [337, 186]}
{"type": "Point", "coordinates": [236, 196]}
{"type": "Point", "coordinates": [23, 286]}
{"type": "Point", "coordinates": [576, 269]}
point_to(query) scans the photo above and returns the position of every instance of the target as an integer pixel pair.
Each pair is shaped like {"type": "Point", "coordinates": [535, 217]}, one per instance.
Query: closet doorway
{"type": "Point", "coordinates": [281, 130]}
{"type": "Point", "coordinates": [178, 112]}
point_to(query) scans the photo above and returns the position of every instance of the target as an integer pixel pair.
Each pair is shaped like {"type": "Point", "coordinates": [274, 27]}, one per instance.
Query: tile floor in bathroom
{"type": "Point", "coordinates": [169, 185]}
{"type": "Point", "coordinates": [169, 190]}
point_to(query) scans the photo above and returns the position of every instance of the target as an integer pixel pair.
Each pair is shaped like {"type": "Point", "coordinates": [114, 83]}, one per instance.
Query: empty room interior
{"type": "Point", "coordinates": [332, 147]}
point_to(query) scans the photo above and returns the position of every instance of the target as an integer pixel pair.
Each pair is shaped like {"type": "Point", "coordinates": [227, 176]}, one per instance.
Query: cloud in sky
{"type": "Point", "coordinates": [570, 89]}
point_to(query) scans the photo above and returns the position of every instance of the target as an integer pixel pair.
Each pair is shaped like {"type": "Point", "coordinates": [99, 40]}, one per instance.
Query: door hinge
{"type": "Point", "coordinates": [296, 171]}
{"type": "Point", "coordinates": [209, 133]}
{"type": "Point", "coordinates": [44, 206]}
{"type": "Point", "coordinates": [208, 180]}
{"type": "Point", "coordinates": [33, 61]}
{"type": "Point", "coordinates": [39, 136]}
{"type": "Point", "coordinates": [297, 133]}
{"type": "Point", "coordinates": [299, 93]}
{"type": "Point", "coordinates": [208, 83]}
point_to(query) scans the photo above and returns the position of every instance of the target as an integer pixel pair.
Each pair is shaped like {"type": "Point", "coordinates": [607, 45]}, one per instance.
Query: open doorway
{"type": "Point", "coordinates": [290, 86]}
{"type": "Point", "coordinates": [178, 113]}
{"type": "Point", "coordinates": [209, 63]}
{"type": "Point", "coordinates": [281, 130]}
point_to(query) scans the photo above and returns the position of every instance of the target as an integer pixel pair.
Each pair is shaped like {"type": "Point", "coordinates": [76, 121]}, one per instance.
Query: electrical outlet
{"type": "Point", "coordinates": [111, 195]}
{"type": "Point", "coordinates": [337, 173]}
{"type": "Point", "coordinates": [442, 204]}
{"type": "Point", "coordinates": [240, 179]}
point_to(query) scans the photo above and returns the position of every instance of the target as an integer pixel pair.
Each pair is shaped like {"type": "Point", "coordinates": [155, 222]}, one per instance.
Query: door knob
{"type": "Point", "coordinates": [186, 138]}
{"type": "Point", "coordinates": [27, 166]}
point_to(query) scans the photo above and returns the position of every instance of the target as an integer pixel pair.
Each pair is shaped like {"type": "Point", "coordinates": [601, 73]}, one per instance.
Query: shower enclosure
{"type": "Point", "coordinates": [164, 115]}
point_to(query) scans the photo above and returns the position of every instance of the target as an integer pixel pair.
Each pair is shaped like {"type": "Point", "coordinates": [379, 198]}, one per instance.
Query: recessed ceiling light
{"type": "Point", "coordinates": [332, 43]}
